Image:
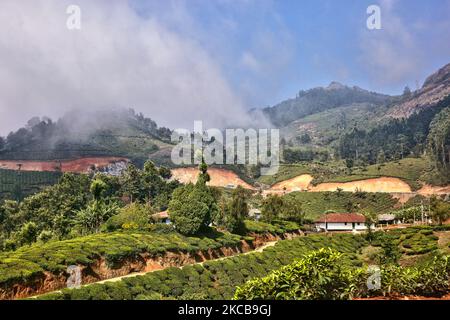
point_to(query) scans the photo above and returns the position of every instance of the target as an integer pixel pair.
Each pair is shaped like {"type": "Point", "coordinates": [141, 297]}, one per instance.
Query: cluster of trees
{"type": "Point", "coordinates": [82, 204]}
{"type": "Point", "coordinates": [433, 208]}
{"type": "Point", "coordinates": [320, 99]}
{"type": "Point", "coordinates": [439, 142]}
{"type": "Point", "coordinates": [275, 207]}
{"type": "Point", "coordinates": [399, 138]}
{"type": "Point", "coordinates": [293, 155]}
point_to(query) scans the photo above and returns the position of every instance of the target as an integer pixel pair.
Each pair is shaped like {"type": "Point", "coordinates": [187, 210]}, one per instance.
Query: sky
{"type": "Point", "coordinates": [183, 60]}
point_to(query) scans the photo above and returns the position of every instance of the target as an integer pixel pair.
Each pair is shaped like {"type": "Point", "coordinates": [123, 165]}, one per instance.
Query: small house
{"type": "Point", "coordinates": [341, 222]}
{"type": "Point", "coordinates": [386, 219]}
{"type": "Point", "coordinates": [162, 217]}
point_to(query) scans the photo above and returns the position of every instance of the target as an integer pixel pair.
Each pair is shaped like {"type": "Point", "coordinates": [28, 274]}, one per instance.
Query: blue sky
{"type": "Point", "coordinates": [183, 60]}
{"type": "Point", "coordinates": [271, 49]}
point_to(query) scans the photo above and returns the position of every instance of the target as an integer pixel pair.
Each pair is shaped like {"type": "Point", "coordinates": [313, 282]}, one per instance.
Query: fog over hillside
{"type": "Point", "coordinates": [117, 59]}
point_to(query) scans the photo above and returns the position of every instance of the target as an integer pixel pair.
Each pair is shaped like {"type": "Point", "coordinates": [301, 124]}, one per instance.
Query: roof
{"type": "Point", "coordinates": [161, 215]}
{"type": "Point", "coordinates": [342, 217]}
{"type": "Point", "coordinates": [386, 217]}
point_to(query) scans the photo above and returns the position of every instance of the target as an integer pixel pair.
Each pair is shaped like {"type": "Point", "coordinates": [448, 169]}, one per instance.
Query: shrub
{"type": "Point", "coordinates": [319, 275]}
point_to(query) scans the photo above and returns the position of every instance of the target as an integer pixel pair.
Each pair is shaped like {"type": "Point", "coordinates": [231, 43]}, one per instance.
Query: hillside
{"type": "Point", "coordinates": [320, 99]}
{"type": "Point", "coordinates": [107, 133]}
{"type": "Point", "coordinates": [435, 89]}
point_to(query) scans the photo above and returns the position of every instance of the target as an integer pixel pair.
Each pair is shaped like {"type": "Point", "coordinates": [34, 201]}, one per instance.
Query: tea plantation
{"type": "Point", "coordinates": [56, 256]}
{"type": "Point", "coordinates": [214, 279]}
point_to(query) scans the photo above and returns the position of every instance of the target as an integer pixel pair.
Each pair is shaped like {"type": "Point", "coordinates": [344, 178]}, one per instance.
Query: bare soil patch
{"type": "Point", "coordinates": [383, 184]}
{"type": "Point", "coordinates": [219, 177]}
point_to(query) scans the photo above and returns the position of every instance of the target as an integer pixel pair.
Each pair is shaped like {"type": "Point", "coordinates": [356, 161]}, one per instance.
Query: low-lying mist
{"type": "Point", "coordinates": [117, 60]}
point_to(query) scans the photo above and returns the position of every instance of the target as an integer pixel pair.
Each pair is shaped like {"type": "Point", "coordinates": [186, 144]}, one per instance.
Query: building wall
{"type": "Point", "coordinates": [341, 226]}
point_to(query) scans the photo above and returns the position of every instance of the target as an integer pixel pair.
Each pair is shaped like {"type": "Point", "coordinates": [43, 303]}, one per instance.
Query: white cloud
{"type": "Point", "coordinates": [391, 54]}
{"type": "Point", "coordinates": [117, 59]}
{"type": "Point", "coordinates": [249, 61]}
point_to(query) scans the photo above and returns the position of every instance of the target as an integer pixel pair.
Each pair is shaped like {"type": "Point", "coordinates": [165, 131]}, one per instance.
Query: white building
{"type": "Point", "coordinates": [341, 222]}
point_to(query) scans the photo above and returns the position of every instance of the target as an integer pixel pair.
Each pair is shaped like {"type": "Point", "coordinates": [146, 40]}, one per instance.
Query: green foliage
{"type": "Point", "coordinates": [440, 210]}
{"type": "Point", "coordinates": [193, 206]}
{"type": "Point", "coordinates": [52, 209]}
{"type": "Point", "coordinates": [56, 256]}
{"type": "Point", "coordinates": [292, 210]}
{"type": "Point", "coordinates": [218, 279]}
{"type": "Point", "coordinates": [278, 227]}
{"type": "Point", "coordinates": [315, 204]}
{"type": "Point", "coordinates": [132, 216]}
{"type": "Point", "coordinates": [122, 133]}
{"type": "Point", "coordinates": [425, 280]}
{"type": "Point", "coordinates": [15, 185]}
{"type": "Point", "coordinates": [390, 253]}
{"type": "Point", "coordinates": [233, 212]}
{"type": "Point", "coordinates": [408, 215]}
{"type": "Point", "coordinates": [320, 275]}
{"type": "Point", "coordinates": [272, 206]}
{"type": "Point", "coordinates": [90, 219]}
{"type": "Point", "coordinates": [188, 212]}
{"type": "Point", "coordinates": [439, 143]}
{"type": "Point", "coordinates": [396, 138]}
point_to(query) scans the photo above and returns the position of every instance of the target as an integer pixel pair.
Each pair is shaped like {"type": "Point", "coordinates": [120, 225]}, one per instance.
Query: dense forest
{"type": "Point", "coordinates": [425, 132]}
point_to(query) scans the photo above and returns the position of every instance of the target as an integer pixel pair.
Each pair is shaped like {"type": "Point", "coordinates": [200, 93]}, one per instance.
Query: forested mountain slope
{"type": "Point", "coordinates": [116, 132]}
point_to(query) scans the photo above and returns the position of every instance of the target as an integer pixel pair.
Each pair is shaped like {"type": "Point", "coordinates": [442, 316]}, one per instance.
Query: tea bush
{"type": "Point", "coordinates": [218, 279]}
{"type": "Point", "coordinates": [30, 261]}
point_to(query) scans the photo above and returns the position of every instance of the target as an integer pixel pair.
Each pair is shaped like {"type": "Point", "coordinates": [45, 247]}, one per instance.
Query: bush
{"type": "Point", "coordinates": [218, 279]}
{"type": "Point", "coordinates": [317, 276]}
{"type": "Point", "coordinates": [133, 216]}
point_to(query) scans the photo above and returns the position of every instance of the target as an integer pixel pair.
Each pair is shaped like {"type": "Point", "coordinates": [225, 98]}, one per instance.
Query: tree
{"type": "Point", "coordinates": [390, 253]}
{"type": "Point", "coordinates": [132, 216]}
{"type": "Point", "coordinates": [27, 234]}
{"type": "Point", "coordinates": [90, 219]}
{"type": "Point", "coordinates": [193, 206]}
{"type": "Point", "coordinates": [235, 211]}
{"type": "Point", "coordinates": [203, 177]}
{"type": "Point", "coordinates": [292, 210]}
{"type": "Point", "coordinates": [10, 217]}
{"type": "Point", "coordinates": [440, 210]}
{"type": "Point", "coordinates": [407, 92]}
{"type": "Point", "coordinates": [165, 172]}
{"type": "Point", "coordinates": [371, 220]}
{"type": "Point", "coordinates": [131, 182]}
{"type": "Point", "coordinates": [98, 188]}
{"type": "Point", "coordinates": [271, 207]}
{"type": "Point", "coordinates": [187, 210]}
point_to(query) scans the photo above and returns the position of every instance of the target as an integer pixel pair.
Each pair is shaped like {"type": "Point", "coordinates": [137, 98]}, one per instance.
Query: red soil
{"type": "Point", "coordinates": [81, 165]}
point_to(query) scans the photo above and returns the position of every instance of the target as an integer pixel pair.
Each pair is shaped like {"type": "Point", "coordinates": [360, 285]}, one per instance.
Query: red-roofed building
{"type": "Point", "coordinates": [341, 222]}
{"type": "Point", "coordinates": [162, 217]}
